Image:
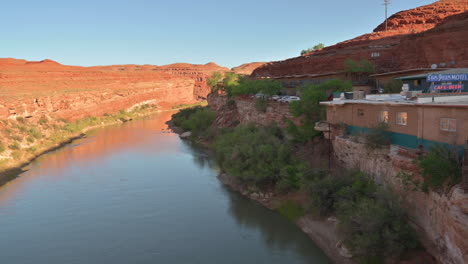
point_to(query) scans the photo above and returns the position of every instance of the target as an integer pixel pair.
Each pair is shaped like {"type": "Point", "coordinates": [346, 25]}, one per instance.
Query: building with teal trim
{"type": "Point", "coordinates": [412, 123]}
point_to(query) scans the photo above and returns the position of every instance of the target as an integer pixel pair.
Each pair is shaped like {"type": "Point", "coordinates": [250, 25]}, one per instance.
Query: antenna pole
{"type": "Point", "coordinates": [386, 3]}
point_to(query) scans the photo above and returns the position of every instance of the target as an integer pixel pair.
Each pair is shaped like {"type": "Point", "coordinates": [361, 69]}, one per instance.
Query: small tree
{"type": "Point", "coordinates": [213, 81]}
{"type": "Point", "coordinates": [393, 86]}
{"type": "Point", "coordinates": [316, 47]}
{"type": "Point", "coordinates": [441, 166]}
{"type": "Point", "coordinates": [319, 46]}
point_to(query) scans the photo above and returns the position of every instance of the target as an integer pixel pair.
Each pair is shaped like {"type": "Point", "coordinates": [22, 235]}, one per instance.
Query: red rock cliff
{"type": "Point", "coordinates": [417, 38]}
{"type": "Point", "coordinates": [47, 87]}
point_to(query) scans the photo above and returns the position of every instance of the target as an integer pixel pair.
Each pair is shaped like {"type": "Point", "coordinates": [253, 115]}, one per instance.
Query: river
{"type": "Point", "coordinates": [136, 193]}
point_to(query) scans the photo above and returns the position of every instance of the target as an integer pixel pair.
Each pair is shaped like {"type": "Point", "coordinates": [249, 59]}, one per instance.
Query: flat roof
{"type": "Point", "coordinates": [424, 76]}
{"type": "Point", "coordinates": [460, 100]}
{"type": "Point", "coordinates": [405, 71]}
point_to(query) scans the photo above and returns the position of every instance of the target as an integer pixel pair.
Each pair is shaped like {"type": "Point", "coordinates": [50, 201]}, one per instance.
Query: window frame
{"type": "Point", "coordinates": [398, 119]}
{"type": "Point", "coordinates": [381, 119]}
{"type": "Point", "coordinates": [448, 126]}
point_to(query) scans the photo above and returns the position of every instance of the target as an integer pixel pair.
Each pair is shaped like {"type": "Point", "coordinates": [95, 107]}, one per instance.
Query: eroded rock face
{"type": "Point", "coordinates": [441, 218]}
{"type": "Point", "coordinates": [242, 110]}
{"type": "Point", "coordinates": [247, 68]}
{"type": "Point", "coordinates": [418, 38]}
{"type": "Point", "coordinates": [47, 87]}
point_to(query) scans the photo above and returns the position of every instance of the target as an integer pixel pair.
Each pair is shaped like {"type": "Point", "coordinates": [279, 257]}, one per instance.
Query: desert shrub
{"type": "Point", "coordinates": [2, 147]}
{"type": "Point", "coordinates": [20, 119]}
{"type": "Point", "coordinates": [363, 66]}
{"type": "Point", "coordinates": [17, 155]}
{"type": "Point", "coordinates": [43, 121]}
{"type": "Point", "coordinates": [441, 166]}
{"type": "Point", "coordinates": [30, 139]}
{"type": "Point", "coordinates": [14, 146]}
{"type": "Point", "coordinates": [33, 132]}
{"type": "Point", "coordinates": [16, 138]}
{"type": "Point", "coordinates": [32, 149]}
{"type": "Point", "coordinates": [261, 104]}
{"type": "Point", "coordinates": [375, 230]}
{"type": "Point", "coordinates": [378, 136]}
{"type": "Point", "coordinates": [245, 86]}
{"type": "Point", "coordinates": [393, 86]}
{"type": "Point", "coordinates": [196, 120]}
{"type": "Point", "coordinates": [255, 154]}
{"type": "Point", "coordinates": [316, 47]}
{"type": "Point", "coordinates": [23, 129]}
{"type": "Point", "coordinates": [291, 210]}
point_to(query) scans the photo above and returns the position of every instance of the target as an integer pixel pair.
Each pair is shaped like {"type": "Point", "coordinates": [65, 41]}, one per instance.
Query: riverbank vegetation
{"type": "Point", "coordinates": [309, 109]}
{"type": "Point", "coordinates": [23, 139]}
{"type": "Point", "coordinates": [373, 226]}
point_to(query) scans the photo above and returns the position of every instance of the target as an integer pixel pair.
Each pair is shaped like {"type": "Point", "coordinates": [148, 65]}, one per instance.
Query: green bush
{"type": "Point", "coordinates": [213, 81]}
{"type": "Point", "coordinates": [372, 222]}
{"type": "Point", "coordinates": [393, 86]}
{"type": "Point", "coordinates": [291, 177]}
{"type": "Point", "coordinates": [316, 47]}
{"type": "Point", "coordinates": [363, 66]}
{"type": "Point", "coordinates": [33, 132]}
{"type": "Point", "coordinates": [261, 104]}
{"type": "Point", "coordinates": [255, 154]}
{"type": "Point", "coordinates": [328, 191]}
{"type": "Point", "coordinates": [377, 137]}
{"type": "Point", "coordinates": [441, 166]}
{"type": "Point", "coordinates": [324, 193]}
{"type": "Point", "coordinates": [310, 109]}
{"type": "Point", "coordinates": [196, 120]}
{"type": "Point", "coordinates": [14, 146]}
{"type": "Point", "coordinates": [245, 86]}
{"type": "Point", "coordinates": [43, 121]}
{"type": "Point", "coordinates": [375, 230]}
{"type": "Point", "coordinates": [291, 210]}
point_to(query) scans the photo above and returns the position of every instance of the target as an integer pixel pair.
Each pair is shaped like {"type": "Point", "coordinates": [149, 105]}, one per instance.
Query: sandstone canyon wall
{"type": "Point", "coordinates": [71, 92]}
{"type": "Point", "coordinates": [441, 218]}
{"type": "Point", "coordinates": [417, 38]}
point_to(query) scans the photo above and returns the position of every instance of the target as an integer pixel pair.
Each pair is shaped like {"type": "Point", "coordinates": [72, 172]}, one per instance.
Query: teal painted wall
{"type": "Point", "coordinates": [405, 140]}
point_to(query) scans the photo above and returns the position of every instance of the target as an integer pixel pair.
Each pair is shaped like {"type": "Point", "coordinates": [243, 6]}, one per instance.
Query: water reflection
{"type": "Point", "coordinates": [134, 193]}
{"type": "Point", "coordinates": [276, 232]}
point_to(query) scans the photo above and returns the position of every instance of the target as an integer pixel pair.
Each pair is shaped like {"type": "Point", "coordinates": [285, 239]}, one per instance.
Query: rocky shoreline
{"type": "Point", "coordinates": [15, 169]}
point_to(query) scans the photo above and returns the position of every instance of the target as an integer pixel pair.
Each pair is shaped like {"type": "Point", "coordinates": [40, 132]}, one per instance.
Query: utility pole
{"type": "Point", "coordinates": [386, 3]}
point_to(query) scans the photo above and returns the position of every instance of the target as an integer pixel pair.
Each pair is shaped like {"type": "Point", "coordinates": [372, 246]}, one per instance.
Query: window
{"type": "Point", "coordinates": [375, 54]}
{"type": "Point", "coordinates": [383, 116]}
{"type": "Point", "coordinates": [448, 124]}
{"type": "Point", "coordinates": [402, 118]}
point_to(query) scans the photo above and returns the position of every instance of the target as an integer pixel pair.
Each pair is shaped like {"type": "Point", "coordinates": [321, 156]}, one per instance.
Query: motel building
{"type": "Point", "coordinates": [415, 120]}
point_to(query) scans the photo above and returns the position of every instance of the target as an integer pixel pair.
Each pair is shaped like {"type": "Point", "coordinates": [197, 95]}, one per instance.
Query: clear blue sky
{"type": "Point", "coordinates": [102, 32]}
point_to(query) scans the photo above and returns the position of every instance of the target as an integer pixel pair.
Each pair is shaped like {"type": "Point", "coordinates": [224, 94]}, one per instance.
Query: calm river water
{"type": "Point", "coordinates": [135, 193]}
